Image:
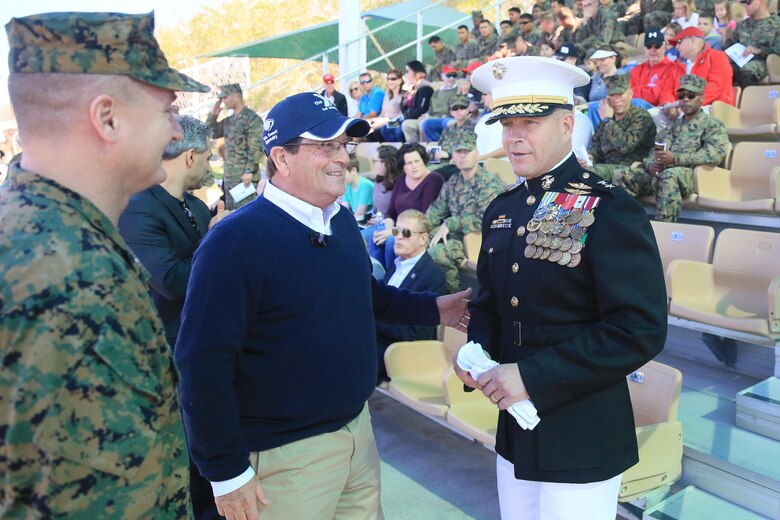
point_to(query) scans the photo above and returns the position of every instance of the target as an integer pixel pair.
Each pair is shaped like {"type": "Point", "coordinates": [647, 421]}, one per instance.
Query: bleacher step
{"type": "Point", "coordinates": [694, 504]}
{"type": "Point", "coordinates": [758, 408]}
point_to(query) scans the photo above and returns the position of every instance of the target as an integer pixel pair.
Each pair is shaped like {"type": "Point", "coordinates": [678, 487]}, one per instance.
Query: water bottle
{"type": "Point", "coordinates": [380, 221]}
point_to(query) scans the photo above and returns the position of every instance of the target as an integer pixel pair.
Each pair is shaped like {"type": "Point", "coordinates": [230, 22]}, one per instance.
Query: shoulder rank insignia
{"type": "Point", "coordinates": [606, 184]}
{"type": "Point", "coordinates": [578, 188]}
{"type": "Point", "coordinates": [501, 223]}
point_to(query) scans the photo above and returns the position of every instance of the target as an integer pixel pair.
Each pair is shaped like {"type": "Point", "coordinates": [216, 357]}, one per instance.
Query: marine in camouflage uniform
{"type": "Point", "coordinates": [764, 36]}
{"type": "Point", "coordinates": [89, 410]}
{"type": "Point", "coordinates": [621, 142]}
{"type": "Point", "coordinates": [487, 46]}
{"type": "Point", "coordinates": [454, 133]}
{"type": "Point", "coordinates": [243, 133]}
{"type": "Point", "coordinates": [694, 139]}
{"type": "Point", "coordinates": [600, 29]}
{"type": "Point", "coordinates": [652, 13]}
{"type": "Point", "coordinates": [445, 56]}
{"type": "Point", "coordinates": [460, 206]}
{"type": "Point", "coordinates": [465, 53]}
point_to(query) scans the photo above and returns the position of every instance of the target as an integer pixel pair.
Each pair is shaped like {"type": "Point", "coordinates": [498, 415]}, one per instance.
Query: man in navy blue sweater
{"type": "Point", "coordinates": [277, 359]}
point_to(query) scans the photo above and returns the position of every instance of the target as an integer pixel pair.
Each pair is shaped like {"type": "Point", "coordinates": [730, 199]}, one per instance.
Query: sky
{"type": "Point", "coordinates": [167, 13]}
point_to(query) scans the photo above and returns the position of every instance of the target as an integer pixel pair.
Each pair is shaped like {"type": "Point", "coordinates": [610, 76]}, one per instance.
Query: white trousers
{"type": "Point", "coordinates": [528, 500]}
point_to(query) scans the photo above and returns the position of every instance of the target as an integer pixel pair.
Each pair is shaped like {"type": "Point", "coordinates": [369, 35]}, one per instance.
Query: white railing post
{"type": "Point", "coordinates": [419, 36]}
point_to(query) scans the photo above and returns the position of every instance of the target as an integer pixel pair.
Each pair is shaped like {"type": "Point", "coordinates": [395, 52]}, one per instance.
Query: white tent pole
{"type": "Point", "coordinates": [350, 39]}
{"type": "Point", "coordinates": [419, 36]}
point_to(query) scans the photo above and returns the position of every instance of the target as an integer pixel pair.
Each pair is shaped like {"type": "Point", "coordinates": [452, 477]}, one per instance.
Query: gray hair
{"type": "Point", "coordinates": [197, 136]}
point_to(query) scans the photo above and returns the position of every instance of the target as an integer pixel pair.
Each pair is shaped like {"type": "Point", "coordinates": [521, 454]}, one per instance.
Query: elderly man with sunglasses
{"type": "Point", "coordinates": [276, 349]}
{"type": "Point", "coordinates": [649, 79]}
{"type": "Point", "coordinates": [694, 139]}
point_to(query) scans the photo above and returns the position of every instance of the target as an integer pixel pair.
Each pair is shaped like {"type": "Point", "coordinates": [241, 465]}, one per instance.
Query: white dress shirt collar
{"type": "Point", "coordinates": [402, 269]}
{"type": "Point", "coordinates": [310, 216]}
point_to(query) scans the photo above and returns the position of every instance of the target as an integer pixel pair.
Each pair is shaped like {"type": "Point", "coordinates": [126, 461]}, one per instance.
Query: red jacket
{"type": "Point", "coordinates": [651, 82]}
{"type": "Point", "coordinates": [713, 66]}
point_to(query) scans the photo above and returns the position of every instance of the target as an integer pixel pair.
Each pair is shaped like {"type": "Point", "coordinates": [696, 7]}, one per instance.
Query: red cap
{"type": "Point", "coordinates": [448, 69]}
{"type": "Point", "coordinates": [472, 66]}
{"type": "Point", "coordinates": [328, 78]}
{"type": "Point", "coordinates": [688, 32]}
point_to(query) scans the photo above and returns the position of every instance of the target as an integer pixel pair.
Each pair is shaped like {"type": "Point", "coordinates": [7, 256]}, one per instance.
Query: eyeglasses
{"type": "Point", "coordinates": [687, 95]}
{"type": "Point", "coordinates": [654, 46]}
{"type": "Point", "coordinates": [525, 22]}
{"type": "Point", "coordinates": [392, 78]}
{"type": "Point", "coordinates": [405, 232]}
{"type": "Point", "coordinates": [364, 81]}
{"type": "Point", "coordinates": [330, 147]}
{"type": "Point", "coordinates": [190, 215]}
{"type": "Point", "coordinates": [451, 75]}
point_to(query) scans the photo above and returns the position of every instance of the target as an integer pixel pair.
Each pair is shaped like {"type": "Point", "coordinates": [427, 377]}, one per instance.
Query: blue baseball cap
{"type": "Point", "coordinates": [311, 116]}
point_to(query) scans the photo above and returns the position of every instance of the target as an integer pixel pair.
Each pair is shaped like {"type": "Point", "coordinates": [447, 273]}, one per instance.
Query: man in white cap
{"type": "Point", "coordinates": [274, 398]}
{"type": "Point", "coordinates": [560, 306]}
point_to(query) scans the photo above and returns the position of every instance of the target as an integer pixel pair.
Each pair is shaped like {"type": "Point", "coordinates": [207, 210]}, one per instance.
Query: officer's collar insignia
{"type": "Point", "coordinates": [606, 184]}
{"type": "Point", "coordinates": [578, 188]}
{"type": "Point", "coordinates": [501, 223]}
{"type": "Point", "coordinates": [547, 181]}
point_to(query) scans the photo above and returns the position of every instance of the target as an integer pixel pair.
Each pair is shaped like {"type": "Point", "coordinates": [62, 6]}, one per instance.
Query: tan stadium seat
{"type": "Point", "coordinates": [756, 118]}
{"type": "Point", "coordinates": [737, 95]}
{"type": "Point", "coordinates": [416, 369]}
{"type": "Point", "coordinates": [773, 64]}
{"type": "Point", "coordinates": [470, 412]}
{"type": "Point", "coordinates": [472, 242]}
{"type": "Point", "coordinates": [503, 169]}
{"type": "Point", "coordinates": [682, 241]}
{"type": "Point", "coordinates": [740, 290]}
{"type": "Point", "coordinates": [750, 185]}
{"type": "Point", "coordinates": [659, 434]}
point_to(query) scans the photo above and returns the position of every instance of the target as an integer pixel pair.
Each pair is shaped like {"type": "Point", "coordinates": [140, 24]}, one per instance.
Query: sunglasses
{"type": "Point", "coordinates": [687, 95]}
{"type": "Point", "coordinates": [654, 46]}
{"type": "Point", "coordinates": [405, 232]}
{"type": "Point", "coordinates": [364, 81]}
{"type": "Point", "coordinates": [458, 107]}
{"type": "Point", "coordinates": [451, 75]}
{"type": "Point", "coordinates": [353, 89]}
{"type": "Point", "coordinates": [392, 78]}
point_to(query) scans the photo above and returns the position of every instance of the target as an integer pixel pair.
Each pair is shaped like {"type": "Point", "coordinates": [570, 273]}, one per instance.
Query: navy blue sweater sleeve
{"type": "Point", "coordinates": [399, 306]}
{"type": "Point", "coordinates": [210, 342]}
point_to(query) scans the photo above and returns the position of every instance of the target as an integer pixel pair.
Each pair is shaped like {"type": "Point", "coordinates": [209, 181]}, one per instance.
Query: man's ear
{"type": "Point", "coordinates": [104, 117]}
{"type": "Point", "coordinates": [189, 158]}
{"type": "Point", "coordinates": [279, 156]}
{"type": "Point", "coordinates": [567, 121]}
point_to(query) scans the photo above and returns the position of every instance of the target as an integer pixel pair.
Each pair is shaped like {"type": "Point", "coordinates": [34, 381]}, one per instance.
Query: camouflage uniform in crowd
{"type": "Point", "coordinates": [533, 38]}
{"type": "Point", "coordinates": [453, 134]}
{"type": "Point", "coordinates": [621, 143]}
{"type": "Point", "coordinates": [464, 54]}
{"type": "Point", "coordinates": [461, 205]}
{"type": "Point", "coordinates": [763, 35]}
{"type": "Point", "coordinates": [89, 409]}
{"type": "Point", "coordinates": [600, 29]}
{"type": "Point", "coordinates": [702, 140]}
{"type": "Point", "coordinates": [652, 13]}
{"type": "Point", "coordinates": [243, 146]}
{"type": "Point", "coordinates": [487, 46]}
{"type": "Point", "coordinates": [444, 57]}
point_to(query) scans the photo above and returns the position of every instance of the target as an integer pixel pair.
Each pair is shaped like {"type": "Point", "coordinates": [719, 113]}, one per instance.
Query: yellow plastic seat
{"type": "Point", "coordinates": [659, 434]}
{"type": "Point", "coordinates": [682, 241]}
{"type": "Point", "coordinates": [737, 95]}
{"type": "Point", "coordinates": [470, 412]}
{"type": "Point", "coordinates": [502, 169]}
{"type": "Point", "coordinates": [756, 118]}
{"type": "Point", "coordinates": [416, 368]}
{"type": "Point", "coordinates": [750, 185]}
{"type": "Point", "coordinates": [472, 242]}
{"type": "Point", "coordinates": [740, 290]}
{"type": "Point", "coordinates": [773, 64]}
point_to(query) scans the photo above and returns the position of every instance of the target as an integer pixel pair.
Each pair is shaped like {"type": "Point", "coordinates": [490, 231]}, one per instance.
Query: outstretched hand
{"type": "Point", "coordinates": [453, 310]}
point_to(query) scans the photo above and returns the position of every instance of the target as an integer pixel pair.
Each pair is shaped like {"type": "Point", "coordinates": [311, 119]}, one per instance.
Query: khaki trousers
{"type": "Point", "coordinates": [332, 475]}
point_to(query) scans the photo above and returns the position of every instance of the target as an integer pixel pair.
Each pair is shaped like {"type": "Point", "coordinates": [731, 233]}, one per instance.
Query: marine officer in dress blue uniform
{"type": "Point", "coordinates": [571, 301]}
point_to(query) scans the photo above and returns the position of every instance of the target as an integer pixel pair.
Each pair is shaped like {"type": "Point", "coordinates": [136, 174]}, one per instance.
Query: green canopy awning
{"type": "Point", "coordinates": [310, 41]}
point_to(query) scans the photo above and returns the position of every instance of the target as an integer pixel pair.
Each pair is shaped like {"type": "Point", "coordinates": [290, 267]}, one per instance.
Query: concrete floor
{"type": "Point", "coordinates": [428, 471]}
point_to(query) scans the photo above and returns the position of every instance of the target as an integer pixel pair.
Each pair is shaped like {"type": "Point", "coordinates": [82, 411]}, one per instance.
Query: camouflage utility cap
{"type": "Point", "coordinates": [230, 88]}
{"type": "Point", "coordinates": [459, 101]}
{"type": "Point", "coordinates": [466, 141]}
{"type": "Point", "coordinates": [93, 43]}
{"type": "Point", "coordinates": [692, 83]}
{"type": "Point", "coordinates": [617, 84]}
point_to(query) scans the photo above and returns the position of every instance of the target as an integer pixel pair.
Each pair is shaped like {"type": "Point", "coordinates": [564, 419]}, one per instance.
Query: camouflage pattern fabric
{"type": "Point", "coordinates": [763, 35]}
{"type": "Point", "coordinates": [454, 133]}
{"type": "Point", "coordinates": [702, 140]}
{"type": "Point", "coordinates": [243, 146]}
{"type": "Point", "coordinates": [444, 57]}
{"type": "Point", "coordinates": [89, 407]}
{"type": "Point", "coordinates": [466, 53]}
{"type": "Point", "coordinates": [534, 38]}
{"type": "Point", "coordinates": [599, 30]}
{"type": "Point", "coordinates": [652, 13]}
{"type": "Point", "coordinates": [622, 142]}
{"type": "Point", "coordinates": [487, 46]}
{"type": "Point", "coordinates": [460, 205]}
{"type": "Point", "coordinates": [93, 43]}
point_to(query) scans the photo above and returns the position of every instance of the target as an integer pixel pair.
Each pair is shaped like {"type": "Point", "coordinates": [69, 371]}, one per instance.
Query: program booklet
{"type": "Point", "coordinates": [735, 53]}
